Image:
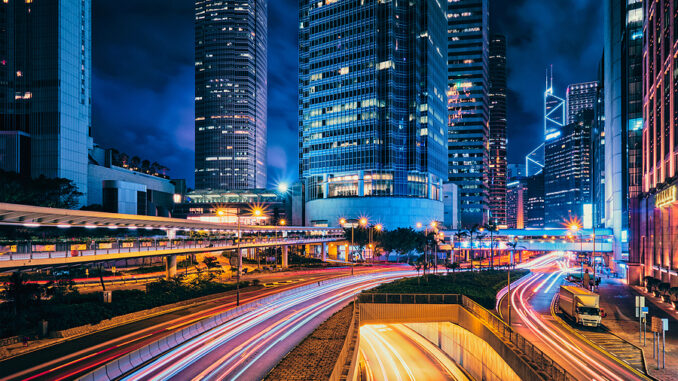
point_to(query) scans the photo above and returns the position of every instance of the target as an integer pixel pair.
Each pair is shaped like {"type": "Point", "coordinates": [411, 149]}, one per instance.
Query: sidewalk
{"type": "Point", "coordinates": [618, 300]}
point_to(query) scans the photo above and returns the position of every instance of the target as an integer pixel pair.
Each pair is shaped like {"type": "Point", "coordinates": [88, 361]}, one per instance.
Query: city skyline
{"type": "Point", "coordinates": [156, 77]}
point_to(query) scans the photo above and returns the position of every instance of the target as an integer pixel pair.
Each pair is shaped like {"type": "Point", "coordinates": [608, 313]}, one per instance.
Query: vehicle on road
{"type": "Point", "coordinates": [580, 305]}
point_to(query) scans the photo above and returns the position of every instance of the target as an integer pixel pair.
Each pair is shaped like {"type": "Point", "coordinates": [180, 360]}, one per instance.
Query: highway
{"type": "Point", "coordinates": [247, 347]}
{"type": "Point", "coordinates": [395, 352]}
{"type": "Point", "coordinates": [532, 302]}
{"type": "Point", "coordinates": [73, 358]}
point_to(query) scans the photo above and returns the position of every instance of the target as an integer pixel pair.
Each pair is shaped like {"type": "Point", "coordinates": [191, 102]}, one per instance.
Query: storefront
{"type": "Point", "coordinates": [658, 235]}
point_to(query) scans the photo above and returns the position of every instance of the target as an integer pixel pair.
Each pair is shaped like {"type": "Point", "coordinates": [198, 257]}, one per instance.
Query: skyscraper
{"type": "Point", "coordinates": [372, 110]}
{"type": "Point", "coordinates": [534, 205]}
{"type": "Point", "coordinates": [45, 83]}
{"type": "Point", "coordinates": [580, 96]}
{"type": "Point", "coordinates": [655, 234]}
{"type": "Point", "coordinates": [624, 120]}
{"type": "Point", "coordinates": [567, 171]}
{"type": "Point", "coordinates": [554, 109]}
{"type": "Point", "coordinates": [230, 94]}
{"type": "Point", "coordinates": [468, 94]}
{"type": "Point", "coordinates": [516, 194]}
{"type": "Point", "coordinates": [497, 96]}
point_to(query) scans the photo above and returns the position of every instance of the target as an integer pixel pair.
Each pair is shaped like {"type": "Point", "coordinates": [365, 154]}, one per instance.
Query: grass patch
{"type": "Point", "coordinates": [480, 286]}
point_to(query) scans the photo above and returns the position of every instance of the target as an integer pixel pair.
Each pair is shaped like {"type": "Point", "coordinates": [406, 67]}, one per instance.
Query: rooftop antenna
{"type": "Point", "coordinates": [551, 75]}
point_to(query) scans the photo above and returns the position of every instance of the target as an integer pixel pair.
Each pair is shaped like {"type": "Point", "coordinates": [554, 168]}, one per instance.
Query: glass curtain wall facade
{"type": "Point", "coordinates": [372, 110]}
{"type": "Point", "coordinates": [623, 109]}
{"type": "Point", "coordinates": [579, 97]}
{"type": "Point", "coordinates": [598, 153]}
{"type": "Point", "coordinates": [45, 86]}
{"type": "Point", "coordinates": [657, 232]}
{"type": "Point", "coordinates": [497, 96]}
{"type": "Point", "coordinates": [567, 173]}
{"type": "Point", "coordinates": [468, 99]}
{"type": "Point", "coordinates": [230, 94]}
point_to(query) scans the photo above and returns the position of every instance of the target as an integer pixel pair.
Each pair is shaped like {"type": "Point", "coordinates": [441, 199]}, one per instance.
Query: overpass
{"type": "Point", "coordinates": [543, 239]}
{"type": "Point", "coordinates": [198, 237]}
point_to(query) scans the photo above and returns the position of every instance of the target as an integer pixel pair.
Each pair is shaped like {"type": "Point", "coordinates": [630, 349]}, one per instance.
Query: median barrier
{"type": "Point", "coordinates": [154, 349]}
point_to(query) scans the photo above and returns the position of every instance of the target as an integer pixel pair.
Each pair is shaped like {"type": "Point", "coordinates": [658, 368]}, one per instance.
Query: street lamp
{"type": "Point", "coordinates": [575, 229]}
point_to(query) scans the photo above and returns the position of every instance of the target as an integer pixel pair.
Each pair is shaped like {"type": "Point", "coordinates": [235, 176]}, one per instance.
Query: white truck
{"type": "Point", "coordinates": [582, 305]}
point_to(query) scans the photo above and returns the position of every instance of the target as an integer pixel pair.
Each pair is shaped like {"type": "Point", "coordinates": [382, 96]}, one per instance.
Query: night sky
{"type": "Point", "coordinates": [143, 80]}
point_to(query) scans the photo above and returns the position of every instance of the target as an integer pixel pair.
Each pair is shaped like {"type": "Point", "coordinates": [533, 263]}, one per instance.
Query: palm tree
{"type": "Point", "coordinates": [458, 236]}
{"type": "Point", "coordinates": [492, 228]}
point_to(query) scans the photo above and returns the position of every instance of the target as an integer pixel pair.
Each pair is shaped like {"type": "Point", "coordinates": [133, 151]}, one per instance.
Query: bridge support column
{"type": "Point", "coordinates": [285, 250]}
{"type": "Point", "coordinates": [171, 266]}
{"type": "Point", "coordinates": [323, 249]}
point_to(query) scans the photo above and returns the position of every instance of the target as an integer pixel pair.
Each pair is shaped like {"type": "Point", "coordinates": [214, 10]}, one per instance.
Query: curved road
{"type": "Point", "coordinates": [247, 347]}
{"type": "Point", "coordinates": [532, 302]}
{"type": "Point", "coordinates": [73, 358]}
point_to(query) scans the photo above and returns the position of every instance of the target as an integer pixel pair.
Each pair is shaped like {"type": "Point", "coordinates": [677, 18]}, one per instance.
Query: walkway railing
{"type": "Point", "coordinates": [534, 357]}
{"type": "Point", "coordinates": [28, 250]}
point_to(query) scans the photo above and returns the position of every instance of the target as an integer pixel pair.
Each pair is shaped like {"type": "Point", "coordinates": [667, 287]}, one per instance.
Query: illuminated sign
{"type": "Point", "coordinates": [588, 216]}
{"type": "Point", "coordinates": [79, 246]}
{"type": "Point", "coordinates": [665, 197]}
{"type": "Point", "coordinates": [552, 135]}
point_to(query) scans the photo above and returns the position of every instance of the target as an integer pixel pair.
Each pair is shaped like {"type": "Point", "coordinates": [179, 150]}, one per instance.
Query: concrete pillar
{"type": "Point", "coordinates": [171, 233]}
{"type": "Point", "coordinates": [323, 248]}
{"type": "Point", "coordinates": [171, 266]}
{"type": "Point", "coordinates": [285, 250]}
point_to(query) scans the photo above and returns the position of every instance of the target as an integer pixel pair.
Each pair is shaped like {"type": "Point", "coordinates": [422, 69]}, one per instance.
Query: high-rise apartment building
{"type": "Point", "coordinates": [567, 171]}
{"type": "Point", "coordinates": [468, 94]}
{"type": "Point", "coordinates": [598, 153]}
{"type": "Point", "coordinates": [45, 84]}
{"type": "Point", "coordinates": [230, 94]}
{"type": "Point", "coordinates": [497, 97]}
{"type": "Point", "coordinates": [657, 228]}
{"type": "Point", "coordinates": [579, 97]}
{"type": "Point", "coordinates": [372, 110]}
{"type": "Point", "coordinates": [623, 112]}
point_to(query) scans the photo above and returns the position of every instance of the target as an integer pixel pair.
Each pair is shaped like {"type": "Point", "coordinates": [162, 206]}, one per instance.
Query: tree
{"type": "Point", "coordinates": [400, 241]}
{"type": "Point", "coordinates": [19, 292]}
{"type": "Point", "coordinates": [41, 191]}
{"type": "Point", "coordinates": [359, 236]}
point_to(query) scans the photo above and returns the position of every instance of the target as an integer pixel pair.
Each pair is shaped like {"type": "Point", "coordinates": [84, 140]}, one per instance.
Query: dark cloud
{"type": "Point", "coordinates": [143, 85]}
{"type": "Point", "coordinates": [564, 33]}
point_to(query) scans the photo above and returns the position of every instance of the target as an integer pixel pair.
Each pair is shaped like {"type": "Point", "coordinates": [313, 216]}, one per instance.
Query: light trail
{"type": "Point", "coordinates": [263, 339]}
{"type": "Point", "coordinates": [576, 357]}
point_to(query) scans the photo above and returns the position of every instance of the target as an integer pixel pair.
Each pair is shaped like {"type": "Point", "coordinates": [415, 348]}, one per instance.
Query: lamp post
{"type": "Point", "coordinates": [575, 229]}
{"type": "Point", "coordinates": [377, 227]}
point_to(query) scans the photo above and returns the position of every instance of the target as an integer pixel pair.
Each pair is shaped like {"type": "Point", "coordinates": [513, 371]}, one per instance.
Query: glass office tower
{"type": "Point", "coordinates": [468, 93]}
{"type": "Point", "coordinates": [623, 110]}
{"type": "Point", "coordinates": [579, 97]}
{"type": "Point", "coordinates": [497, 178]}
{"type": "Point", "coordinates": [230, 94]}
{"type": "Point", "coordinates": [45, 84]}
{"type": "Point", "coordinates": [567, 171]}
{"type": "Point", "coordinates": [372, 110]}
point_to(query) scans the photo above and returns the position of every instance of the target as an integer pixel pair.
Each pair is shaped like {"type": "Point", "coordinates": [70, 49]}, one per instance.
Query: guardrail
{"type": "Point", "coordinates": [342, 368]}
{"type": "Point", "coordinates": [534, 357]}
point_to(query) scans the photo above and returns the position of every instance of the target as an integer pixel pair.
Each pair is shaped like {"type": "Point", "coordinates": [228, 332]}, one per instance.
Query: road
{"type": "Point", "coordinates": [532, 302]}
{"type": "Point", "coordinates": [247, 347]}
{"type": "Point", "coordinates": [76, 357]}
{"type": "Point", "coordinates": [395, 352]}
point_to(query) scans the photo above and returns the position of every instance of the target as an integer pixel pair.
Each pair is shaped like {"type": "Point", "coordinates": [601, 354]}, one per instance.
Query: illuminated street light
{"type": "Point", "coordinates": [282, 222]}
{"type": "Point", "coordinates": [363, 221]}
{"type": "Point", "coordinates": [418, 225]}
{"type": "Point", "coordinates": [378, 227]}
{"type": "Point", "coordinates": [434, 224]}
{"type": "Point", "coordinates": [283, 187]}
{"type": "Point", "coordinates": [342, 221]}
